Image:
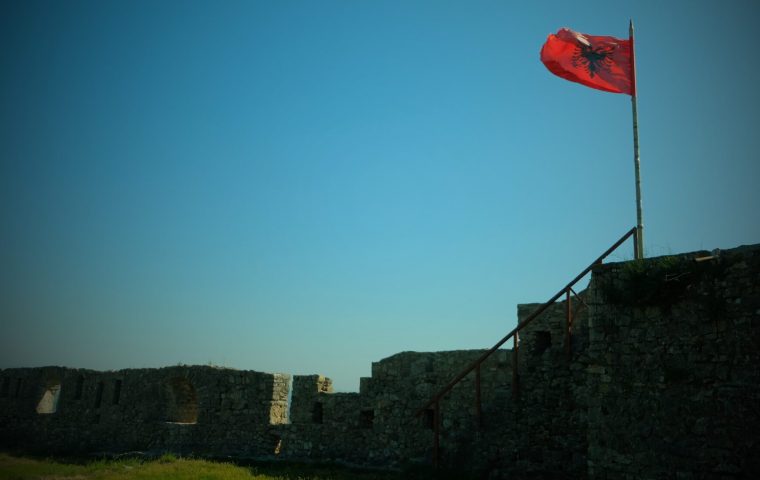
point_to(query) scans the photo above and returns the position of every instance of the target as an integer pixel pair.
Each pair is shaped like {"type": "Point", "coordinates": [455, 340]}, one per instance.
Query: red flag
{"type": "Point", "coordinates": [598, 62]}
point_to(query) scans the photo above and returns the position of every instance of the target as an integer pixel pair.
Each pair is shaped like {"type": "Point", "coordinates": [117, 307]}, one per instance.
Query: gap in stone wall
{"type": "Point", "coordinates": [48, 404]}
{"type": "Point", "coordinates": [277, 442]}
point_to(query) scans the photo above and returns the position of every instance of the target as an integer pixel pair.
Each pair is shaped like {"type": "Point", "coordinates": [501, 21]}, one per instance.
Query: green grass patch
{"type": "Point", "coordinates": [169, 467]}
{"type": "Point", "coordinates": [165, 468]}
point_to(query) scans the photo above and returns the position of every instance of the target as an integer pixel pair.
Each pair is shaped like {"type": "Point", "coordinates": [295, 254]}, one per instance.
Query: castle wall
{"type": "Point", "coordinates": [661, 380]}
{"type": "Point", "coordinates": [378, 426]}
{"type": "Point", "coordinates": [184, 409]}
{"type": "Point", "coordinates": [673, 372]}
{"type": "Point", "coordinates": [550, 419]}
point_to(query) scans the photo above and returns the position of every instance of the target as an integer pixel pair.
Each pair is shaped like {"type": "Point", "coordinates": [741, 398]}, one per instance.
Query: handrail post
{"type": "Point", "coordinates": [515, 371]}
{"type": "Point", "coordinates": [437, 433]}
{"type": "Point", "coordinates": [568, 324]}
{"type": "Point", "coordinates": [478, 405]}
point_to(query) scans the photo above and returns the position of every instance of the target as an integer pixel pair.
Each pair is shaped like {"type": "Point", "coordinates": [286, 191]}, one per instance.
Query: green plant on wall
{"type": "Point", "coordinates": [663, 281]}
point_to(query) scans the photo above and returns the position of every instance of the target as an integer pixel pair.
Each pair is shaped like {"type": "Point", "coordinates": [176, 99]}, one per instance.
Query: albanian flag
{"type": "Point", "coordinates": [600, 62]}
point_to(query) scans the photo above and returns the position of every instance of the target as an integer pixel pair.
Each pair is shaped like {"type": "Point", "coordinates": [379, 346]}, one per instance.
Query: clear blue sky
{"type": "Point", "coordinates": [307, 187]}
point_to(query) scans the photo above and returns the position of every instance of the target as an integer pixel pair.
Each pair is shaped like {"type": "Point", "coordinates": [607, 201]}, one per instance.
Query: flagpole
{"type": "Point", "coordinates": [636, 162]}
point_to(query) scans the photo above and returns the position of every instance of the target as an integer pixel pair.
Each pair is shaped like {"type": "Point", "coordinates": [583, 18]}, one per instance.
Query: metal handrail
{"type": "Point", "coordinates": [435, 400]}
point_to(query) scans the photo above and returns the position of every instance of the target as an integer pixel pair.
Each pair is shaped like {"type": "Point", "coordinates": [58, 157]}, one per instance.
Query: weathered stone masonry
{"type": "Point", "coordinates": [182, 409]}
{"type": "Point", "coordinates": [662, 382]}
{"type": "Point", "coordinates": [673, 373]}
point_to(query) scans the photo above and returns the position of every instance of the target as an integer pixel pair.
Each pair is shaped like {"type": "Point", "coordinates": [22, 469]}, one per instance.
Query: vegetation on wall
{"type": "Point", "coordinates": [664, 281]}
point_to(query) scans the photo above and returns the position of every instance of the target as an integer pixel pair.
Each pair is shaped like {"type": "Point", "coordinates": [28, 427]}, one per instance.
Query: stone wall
{"type": "Point", "coordinates": [196, 409]}
{"type": "Point", "coordinates": [378, 426]}
{"type": "Point", "coordinates": [673, 372]}
{"type": "Point", "coordinates": [550, 410]}
{"type": "Point", "coordinates": [660, 379]}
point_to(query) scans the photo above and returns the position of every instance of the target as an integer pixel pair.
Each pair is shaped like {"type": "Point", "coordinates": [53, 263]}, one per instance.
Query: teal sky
{"type": "Point", "coordinates": [307, 187]}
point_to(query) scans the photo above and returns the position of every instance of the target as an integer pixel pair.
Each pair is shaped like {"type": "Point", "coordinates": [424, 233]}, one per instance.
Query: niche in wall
{"type": "Point", "coordinates": [366, 418]}
{"type": "Point", "coordinates": [182, 401]}
{"type": "Point", "coordinates": [49, 402]}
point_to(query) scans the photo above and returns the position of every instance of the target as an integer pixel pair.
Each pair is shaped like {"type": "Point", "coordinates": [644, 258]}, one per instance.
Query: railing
{"type": "Point", "coordinates": [435, 401]}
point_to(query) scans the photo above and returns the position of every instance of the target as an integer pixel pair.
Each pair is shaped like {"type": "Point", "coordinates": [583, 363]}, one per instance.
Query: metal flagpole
{"type": "Point", "coordinates": [636, 161]}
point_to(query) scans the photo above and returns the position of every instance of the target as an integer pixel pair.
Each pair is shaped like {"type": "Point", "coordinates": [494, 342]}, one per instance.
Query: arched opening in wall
{"type": "Point", "coordinates": [19, 384]}
{"type": "Point", "coordinates": [49, 401]}
{"type": "Point", "coordinates": [543, 341]}
{"type": "Point", "coordinates": [183, 401]}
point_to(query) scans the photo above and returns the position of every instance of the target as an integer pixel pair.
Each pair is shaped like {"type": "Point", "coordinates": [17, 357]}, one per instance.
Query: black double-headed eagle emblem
{"type": "Point", "coordinates": [593, 59]}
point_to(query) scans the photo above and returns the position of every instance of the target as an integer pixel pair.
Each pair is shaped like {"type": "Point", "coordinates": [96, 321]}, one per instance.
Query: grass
{"type": "Point", "coordinates": [169, 467]}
